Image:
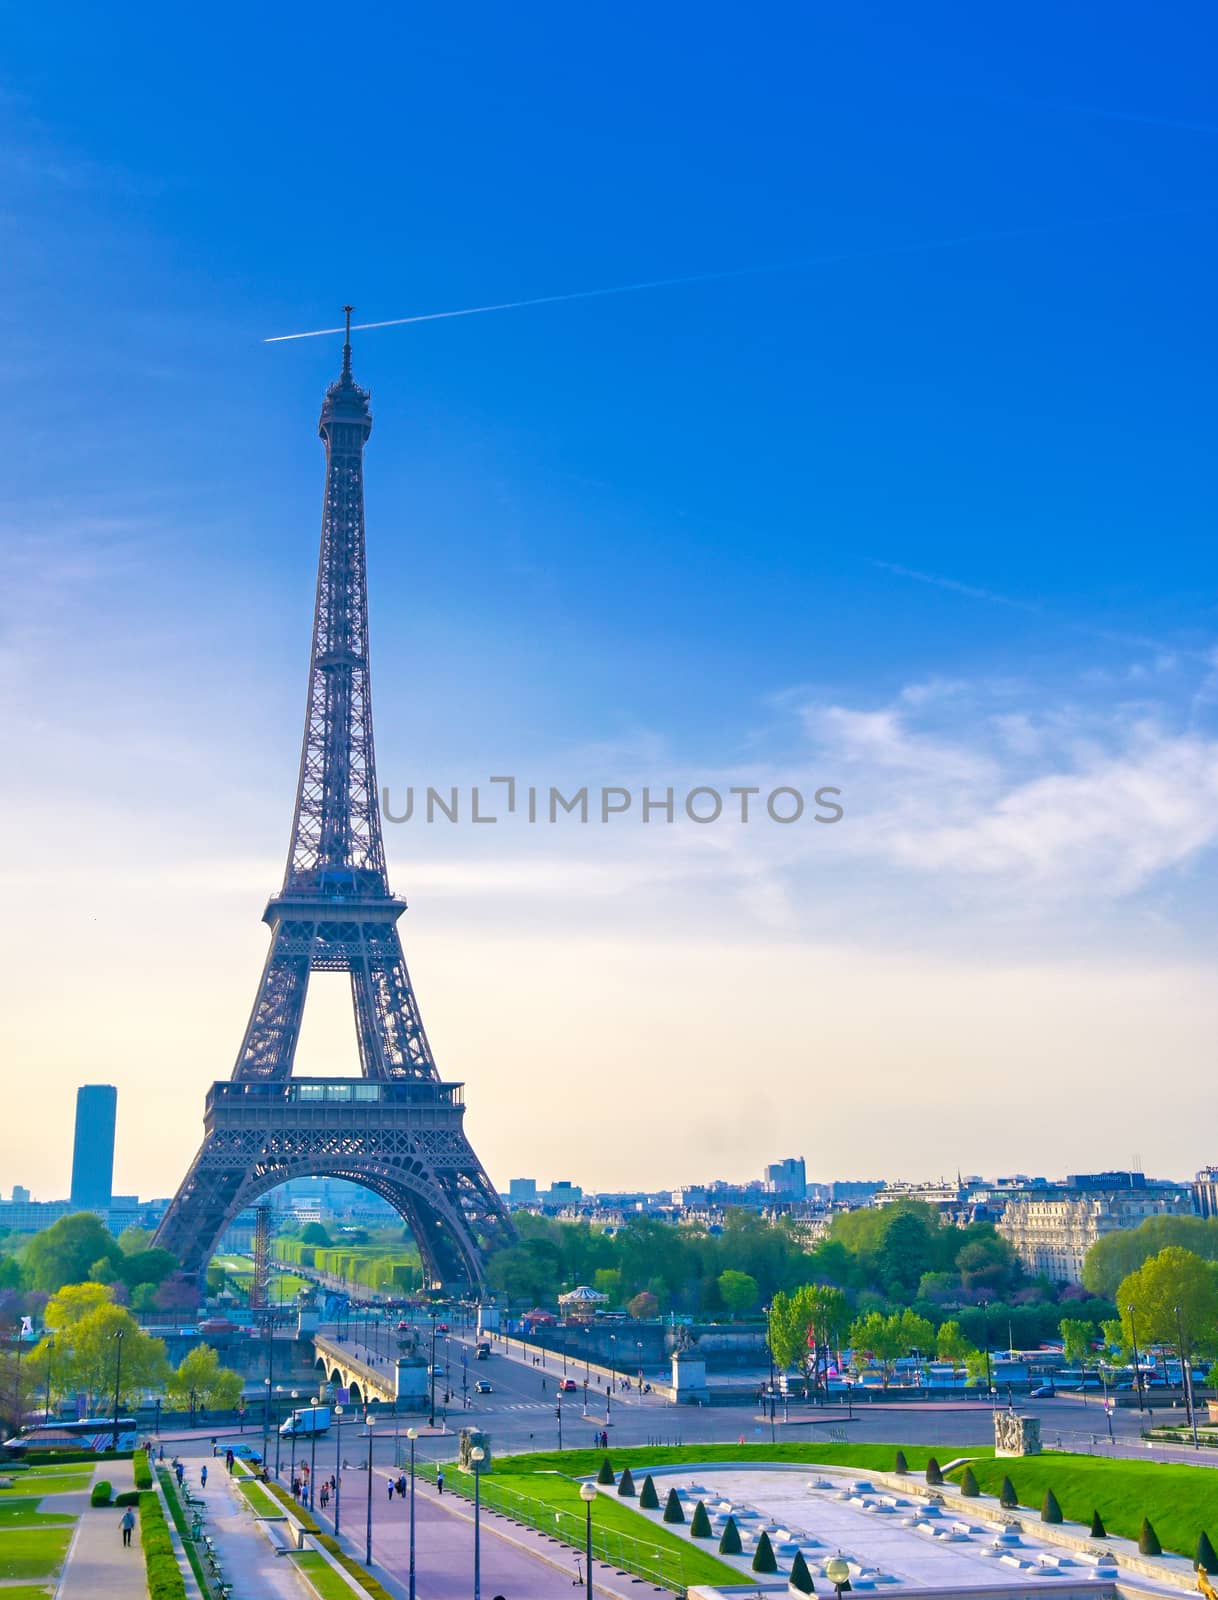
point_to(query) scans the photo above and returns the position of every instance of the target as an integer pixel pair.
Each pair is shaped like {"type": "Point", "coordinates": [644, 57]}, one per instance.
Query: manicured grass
{"type": "Point", "coordinates": [329, 1584]}
{"type": "Point", "coordinates": [264, 1504]}
{"type": "Point", "coordinates": [553, 1492]}
{"type": "Point", "coordinates": [870, 1457]}
{"type": "Point", "coordinates": [33, 1552]}
{"type": "Point", "coordinates": [47, 1480]}
{"type": "Point", "coordinates": [26, 1591]}
{"type": "Point", "coordinates": [25, 1511]}
{"type": "Point", "coordinates": [1179, 1500]}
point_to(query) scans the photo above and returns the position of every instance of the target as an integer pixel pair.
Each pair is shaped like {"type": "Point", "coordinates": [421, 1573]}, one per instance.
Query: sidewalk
{"type": "Point", "coordinates": [517, 1562]}
{"type": "Point", "coordinates": [99, 1566]}
{"type": "Point", "coordinates": [249, 1561]}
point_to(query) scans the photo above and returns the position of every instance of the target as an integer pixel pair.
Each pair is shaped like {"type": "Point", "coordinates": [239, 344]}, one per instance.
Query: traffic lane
{"type": "Point", "coordinates": [548, 1377]}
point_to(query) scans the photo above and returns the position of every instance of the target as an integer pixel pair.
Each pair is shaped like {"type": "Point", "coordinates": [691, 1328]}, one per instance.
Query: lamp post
{"type": "Point", "coordinates": [587, 1493]}
{"type": "Point", "coordinates": [119, 1335]}
{"type": "Point", "coordinates": [638, 1345]}
{"type": "Point", "coordinates": [266, 1418]}
{"type": "Point", "coordinates": [370, 1419]}
{"type": "Point", "coordinates": [837, 1571]}
{"type": "Point", "coordinates": [295, 1398]}
{"type": "Point", "coordinates": [1186, 1379]}
{"type": "Point", "coordinates": [985, 1323]}
{"type": "Point", "coordinates": [314, 1402]}
{"type": "Point", "coordinates": [612, 1374]}
{"type": "Point", "coordinates": [338, 1465]}
{"type": "Point", "coordinates": [279, 1393]}
{"type": "Point", "coordinates": [1137, 1369]}
{"type": "Point", "coordinates": [558, 1414]}
{"type": "Point", "coordinates": [268, 1331]}
{"type": "Point", "coordinates": [477, 1455]}
{"type": "Point", "coordinates": [431, 1418]}
{"type": "Point", "coordinates": [50, 1352]}
{"type": "Point", "coordinates": [412, 1434]}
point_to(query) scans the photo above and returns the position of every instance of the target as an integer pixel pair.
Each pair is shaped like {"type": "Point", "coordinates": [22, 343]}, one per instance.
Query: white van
{"type": "Point", "coordinates": [308, 1420]}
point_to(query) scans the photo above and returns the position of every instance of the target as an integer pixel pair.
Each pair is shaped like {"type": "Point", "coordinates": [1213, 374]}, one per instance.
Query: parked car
{"type": "Point", "coordinates": [1043, 1391]}
{"type": "Point", "coordinates": [243, 1452]}
{"type": "Point", "coordinates": [482, 1387]}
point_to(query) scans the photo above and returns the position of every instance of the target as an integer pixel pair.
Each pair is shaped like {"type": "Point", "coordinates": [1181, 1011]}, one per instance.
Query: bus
{"type": "Point", "coordinates": [87, 1433]}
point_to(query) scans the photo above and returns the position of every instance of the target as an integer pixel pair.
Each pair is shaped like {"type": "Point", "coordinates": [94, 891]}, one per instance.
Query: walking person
{"type": "Point", "coordinates": [127, 1524]}
{"type": "Point", "coordinates": [440, 1480]}
{"type": "Point", "coordinates": [203, 1476]}
{"type": "Point", "coordinates": [389, 1486]}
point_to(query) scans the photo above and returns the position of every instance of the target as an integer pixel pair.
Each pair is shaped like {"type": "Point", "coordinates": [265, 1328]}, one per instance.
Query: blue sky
{"type": "Point", "coordinates": [932, 519]}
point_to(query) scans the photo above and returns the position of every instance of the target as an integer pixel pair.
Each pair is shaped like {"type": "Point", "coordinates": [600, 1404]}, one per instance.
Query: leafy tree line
{"type": "Point", "coordinates": [883, 1260]}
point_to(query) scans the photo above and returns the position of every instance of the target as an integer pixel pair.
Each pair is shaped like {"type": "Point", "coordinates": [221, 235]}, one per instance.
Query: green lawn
{"type": "Point", "coordinates": [552, 1492]}
{"type": "Point", "coordinates": [1179, 1500]}
{"type": "Point", "coordinates": [870, 1457]}
{"type": "Point", "coordinates": [24, 1509]}
{"type": "Point", "coordinates": [329, 1584]}
{"type": "Point", "coordinates": [26, 1591]}
{"type": "Point", "coordinates": [33, 1552]}
{"type": "Point", "coordinates": [264, 1504]}
{"type": "Point", "coordinates": [47, 1480]}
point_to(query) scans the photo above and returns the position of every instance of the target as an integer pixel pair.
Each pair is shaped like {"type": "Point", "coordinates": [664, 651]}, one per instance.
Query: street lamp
{"type": "Point", "coordinates": [587, 1493]}
{"type": "Point", "coordinates": [412, 1434]}
{"type": "Point", "coordinates": [279, 1393]}
{"type": "Point", "coordinates": [985, 1323]}
{"type": "Point", "coordinates": [338, 1465]}
{"type": "Point", "coordinates": [119, 1334]}
{"type": "Point", "coordinates": [1186, 1379]}
{"type": "Point", "coordinates": [1137, 1369]}
{"type": "Point", "coordinates": [477, 1455]}
{"type": "Point", "coordinates": [266, 1418]}
{"type": "Point", "coordinates": [431, 1419]}
{"type": "Point", "coordinates": [369, 1419]}
{"type": "Point", "coordinates": [837, 1570]}
{"type": "Point", "coordinates": [314, 1402]}
{"type": "Point", "coordinates": [295, 1420]}
{"type": "Point", "coordinates": [50, 1352]}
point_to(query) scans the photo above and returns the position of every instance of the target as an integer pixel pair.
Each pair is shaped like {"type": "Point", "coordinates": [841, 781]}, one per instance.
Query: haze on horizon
{"type": "Point", "coordinates": [932, 525]}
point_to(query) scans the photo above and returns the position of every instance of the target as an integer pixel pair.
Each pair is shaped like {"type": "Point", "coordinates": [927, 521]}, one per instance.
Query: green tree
{"type": "Point", "coordinates": [199, 1379]}
{"type": "Point", "coordinates": [763, 1556]}
{"type": "Point", "coordinates": [700, 1524]}
{"type": "Point", "coordinates": [1175, 1279]}
{"type": "Point", "coordinates": [729, 1539]}
{"type": "Point", "coordinates": [951, 1345]}
{"type": "Point", "coordinates": [69, 1250]}
{"type": "Point", "coordinates": [1076, 1341]}
{"type": "Point", "coordinates": [643, 1306]}
{"type": "Point", "coordinates": [1116, 1255]}
{"type": "Point", "coordinates": [739, 1291]}
{"type": "Point", "coordinates": [87, 1343]}
{"type": "Point", "coordinates": [879, 1337]}
{"type": "Point", "coordinates": [315, 1233]}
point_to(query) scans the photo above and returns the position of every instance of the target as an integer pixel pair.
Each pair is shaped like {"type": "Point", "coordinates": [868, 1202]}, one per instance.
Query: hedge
{"type": "Point", "coordinates": [672, 1508]}
{"type": "Point", "coordinates": [129, 1497]}
{"type": "Point", "coordinates": [700, 1527]}
{"type": "Point", "coordinates": [625, 1485]}
{"type": "Point", "coordinates": [605, 1475]}
{"type": "Point", "coordinates": [161, 1565]}
{"type": "Point", "coordinates": [729, 1543]}
{"type": "Point", "coordinates": [763, 1560]}
{"type": "Point", "coordinates": [53, 1458]}
{"type": "Point", "coordinates": [101, 1492]}
{"type": "Point", "coordinates": [141, 1469]}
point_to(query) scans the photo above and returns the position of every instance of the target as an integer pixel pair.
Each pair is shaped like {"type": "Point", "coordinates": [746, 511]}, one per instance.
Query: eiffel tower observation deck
{"type": "Point", "coordinates": [397, 1128]}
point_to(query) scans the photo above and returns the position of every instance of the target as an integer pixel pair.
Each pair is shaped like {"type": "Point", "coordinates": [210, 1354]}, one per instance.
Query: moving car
{"type": "Point", "coordinates": [482, 1387]}
{"type": "Point", "coordinates": [308, 1420]}
{"type": "Point", "coordinates": [243, 1452]}
{"type": "Point", "coordinates": [1043, 1391]}
{"type": "Point", "coordinates": [567, 1386]}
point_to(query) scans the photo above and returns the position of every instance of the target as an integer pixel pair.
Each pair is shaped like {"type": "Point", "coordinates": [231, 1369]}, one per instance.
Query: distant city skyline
{"type": "Point", "coordinates": [930, 524]}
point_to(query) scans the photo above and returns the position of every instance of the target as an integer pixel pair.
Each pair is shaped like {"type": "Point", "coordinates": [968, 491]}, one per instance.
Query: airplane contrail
{"type": "Point", "coordinates": [799, 264]}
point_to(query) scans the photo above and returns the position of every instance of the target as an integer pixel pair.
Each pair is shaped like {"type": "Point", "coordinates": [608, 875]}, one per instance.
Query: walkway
{"type": "Point", "coordinates": [246, 1555]}
{"type": "Point", "coordinates": [99, 1566]}
{"type": "Point", "coordinates": [517, 1562]}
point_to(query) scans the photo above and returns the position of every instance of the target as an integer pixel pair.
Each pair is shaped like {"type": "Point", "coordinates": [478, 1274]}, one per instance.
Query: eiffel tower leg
{"type": "Point", "coordinates": [271, 1035]}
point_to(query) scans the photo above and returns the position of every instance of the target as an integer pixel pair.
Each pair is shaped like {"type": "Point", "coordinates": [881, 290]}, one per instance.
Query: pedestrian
{"type": "Point", "coordinates": [126, 1525]}
{"type": "Point", "coordinates": [389, 1486]}
{"type": "Point", "coordinates": [402, 1487]}
{"type": "Point", "coordinates": [333, 1483]}
{"type": "Point", "coordinates": [180, 1471]}
{"type": "Point", "coordinates": [543, 1386]}
{"type": "Point", "coordinates": [440, 1480]}
{"type": "Point", "coordinates": [203, 1476]}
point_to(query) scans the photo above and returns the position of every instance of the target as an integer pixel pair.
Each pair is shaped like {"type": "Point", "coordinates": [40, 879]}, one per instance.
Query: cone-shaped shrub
{"type": "Point", "coordinates": [934, 1473]}
{"type": "Point", "coordinates": [605, 1475]}
{"type": "Point", "coordinates": [672, 1508]}
{"type": "Point", "coordinates": [900, 1464]}
{"type": "Point", "coordinates": [1205, 1558]}
{"type": "Point", "coordinates": [1098, 1530]}
{"type": "Point", "coordinates": [625, 1484]}
{"type": "Point", "coordinates": [968, 1482]}
{"type": "Point", "coordinates": [763, 1556]}
{"type": "Point", "coordinates": [1050, 1511]}
{"type": "Point", "coordinates": [729, 1542]}
{"type": "Point", "coordinates": [699, 1524]}
{"type": "Point", "coordinates": [800, 1579]}
{"type": "Point", "coordinates": [649, 1500]}
{"type": "Point", "coordinates": [1007, 1496]}
{"type": "Point", "coordinates": [1148, 1539]}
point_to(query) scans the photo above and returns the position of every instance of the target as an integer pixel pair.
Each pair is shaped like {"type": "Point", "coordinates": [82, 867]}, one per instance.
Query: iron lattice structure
{"type": "Point", "coordinates": [260, 1285]}
{"type": "Point", "coordinates": [397, 1129]}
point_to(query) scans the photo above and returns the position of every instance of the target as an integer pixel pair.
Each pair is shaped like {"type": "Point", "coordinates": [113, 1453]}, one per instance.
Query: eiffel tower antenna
{"type": "Point", "coordinates": [397, 1128]}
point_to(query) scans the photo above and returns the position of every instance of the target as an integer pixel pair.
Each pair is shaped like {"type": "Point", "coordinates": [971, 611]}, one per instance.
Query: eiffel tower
{"type": "Point", "coordinates": [397, 1128]}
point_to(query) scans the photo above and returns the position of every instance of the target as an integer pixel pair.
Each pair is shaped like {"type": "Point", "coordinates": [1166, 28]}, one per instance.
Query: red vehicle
{"type": "Point", "coordinates": [442, 1327]}
{"type": "Point", "coordinates": [567, 1386]}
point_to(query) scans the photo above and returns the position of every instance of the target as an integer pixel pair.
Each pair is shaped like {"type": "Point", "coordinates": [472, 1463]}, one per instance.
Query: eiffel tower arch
{"type": "Point", "coordinates": [396, 1129]}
